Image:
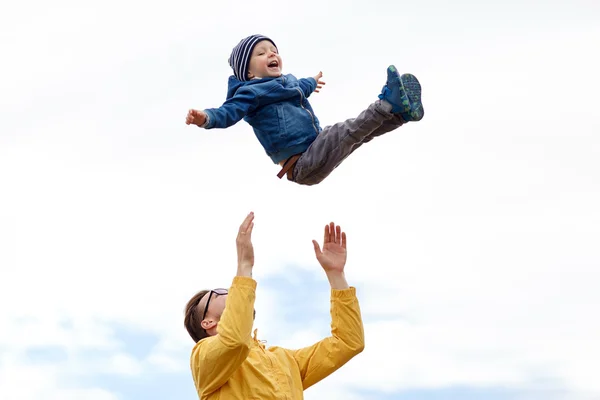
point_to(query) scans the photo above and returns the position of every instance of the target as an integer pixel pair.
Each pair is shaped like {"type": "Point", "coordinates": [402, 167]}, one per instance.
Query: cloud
{"type": "Point", "coordinates": [413, 354]}
{"type": "Point", "coordinates": [24, 382]}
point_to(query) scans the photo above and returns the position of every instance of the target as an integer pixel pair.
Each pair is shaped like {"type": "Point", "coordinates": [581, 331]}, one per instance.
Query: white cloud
{"type": "Point", "coordinates": [25, 382]}
{"type": "Point", "coordinates": [473, 233]}
{"type": "Point", "coordinates": [124, 364]}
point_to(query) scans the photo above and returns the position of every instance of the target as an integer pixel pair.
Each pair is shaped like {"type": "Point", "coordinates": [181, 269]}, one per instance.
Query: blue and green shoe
{"type": "Point", "coordinates": [404, 94]}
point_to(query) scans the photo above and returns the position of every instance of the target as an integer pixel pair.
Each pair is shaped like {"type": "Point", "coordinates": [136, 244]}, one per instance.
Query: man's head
{"type": "Point", "coordinates": [255, 57]}
{"type": "Point", "coordinates": [203, 312]}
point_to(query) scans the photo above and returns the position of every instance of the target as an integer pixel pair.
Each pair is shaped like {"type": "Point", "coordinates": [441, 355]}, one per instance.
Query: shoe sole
{"type": "Point", "coordinates": [411, 86]}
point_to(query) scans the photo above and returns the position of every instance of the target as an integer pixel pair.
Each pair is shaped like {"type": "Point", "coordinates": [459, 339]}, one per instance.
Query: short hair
{"type": "Point", "coordinates": [193, 317]}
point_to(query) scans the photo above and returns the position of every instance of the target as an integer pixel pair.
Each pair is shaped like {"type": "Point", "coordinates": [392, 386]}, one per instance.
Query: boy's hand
{"type": "Point", "coordinates": [195, 117]}
{"type": "Point", "coordinates": [320, 83]}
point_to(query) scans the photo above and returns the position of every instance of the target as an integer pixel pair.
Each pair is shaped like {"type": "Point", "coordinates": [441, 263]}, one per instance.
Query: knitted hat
{"type": "Point", "coordinates": [240, 56]}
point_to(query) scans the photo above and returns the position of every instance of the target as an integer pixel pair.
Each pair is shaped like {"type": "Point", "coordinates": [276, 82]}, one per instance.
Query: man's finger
{"type": "Point", "coordinates": [247, 221]}
{"type": "Point", "coordinates": [344, 240]}
{"type": "Point", "coordinates": [326, 235]}
{"type": "Point", "coordinates": [317, 248]}
{"type": "Point", "coordinates": [331, 232]}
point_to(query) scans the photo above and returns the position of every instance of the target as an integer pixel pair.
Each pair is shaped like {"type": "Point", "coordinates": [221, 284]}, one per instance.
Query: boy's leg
{"type": "Point", "coordinates": [399, 102]}
{"type": "Point", "coordinates": [338, 141]}
{"type": "Point", "coordinates": [387, 126]}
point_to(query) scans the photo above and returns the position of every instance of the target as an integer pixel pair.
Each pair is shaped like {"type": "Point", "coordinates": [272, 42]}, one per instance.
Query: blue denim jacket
{"type": "Point", "coordinates": [277, 109]}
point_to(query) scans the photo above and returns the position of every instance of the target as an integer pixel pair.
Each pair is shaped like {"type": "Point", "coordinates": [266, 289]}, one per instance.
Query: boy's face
{"type": "Point", "coordinates": [264, 61]}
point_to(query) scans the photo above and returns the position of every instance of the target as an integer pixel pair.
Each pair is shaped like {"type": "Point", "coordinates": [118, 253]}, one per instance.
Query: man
{"type": "Point", "coordinates": [228, 363]}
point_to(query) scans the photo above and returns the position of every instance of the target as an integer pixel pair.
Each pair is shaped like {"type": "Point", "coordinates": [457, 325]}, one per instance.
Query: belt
{"type": "Point", "coordinates": [287, 167]}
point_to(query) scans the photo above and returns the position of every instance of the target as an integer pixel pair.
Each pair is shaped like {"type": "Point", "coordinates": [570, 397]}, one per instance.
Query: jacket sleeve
{"type": "Point", "coordinates": [308, 85]}
{"type": "Point", "coordinates": [232, 111]}
{"type": "Point", "coordinates": [318, 361]}
{"type": "Point", "coordinates": [216, 358]}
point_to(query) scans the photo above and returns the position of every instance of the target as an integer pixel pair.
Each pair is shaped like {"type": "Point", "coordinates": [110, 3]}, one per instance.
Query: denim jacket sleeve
{"type": "Point", "coordinates": [308, 85]}
{"type": "Point", "coordinates": [232, 111]}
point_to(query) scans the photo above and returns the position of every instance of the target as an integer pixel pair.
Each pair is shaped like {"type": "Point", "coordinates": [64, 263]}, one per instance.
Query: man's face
{"type": "Point", "coordinates": [265, 61]}
{"type": "Point", "coordinates": [216, 305]}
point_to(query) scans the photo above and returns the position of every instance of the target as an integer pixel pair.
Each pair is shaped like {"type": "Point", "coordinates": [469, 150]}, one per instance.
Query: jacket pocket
{"type": "Point", "coordinates": [281, 120]}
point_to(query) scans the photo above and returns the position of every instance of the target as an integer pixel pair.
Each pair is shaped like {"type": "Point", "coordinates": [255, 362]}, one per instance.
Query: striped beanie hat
{"type": "Point", "coordinates": [240, 56]}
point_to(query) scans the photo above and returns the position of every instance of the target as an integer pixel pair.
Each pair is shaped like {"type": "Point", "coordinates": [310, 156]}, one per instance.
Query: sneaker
{"type": "Point", "coordinates": [404, 94]}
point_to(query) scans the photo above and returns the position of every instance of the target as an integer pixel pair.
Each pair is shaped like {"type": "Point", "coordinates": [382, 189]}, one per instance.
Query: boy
{"type": "Point", "coordinates": [277, 107]}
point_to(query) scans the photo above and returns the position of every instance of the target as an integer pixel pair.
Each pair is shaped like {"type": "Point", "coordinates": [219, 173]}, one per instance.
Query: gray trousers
{"type": "Point", "coordinates": [338, 141]}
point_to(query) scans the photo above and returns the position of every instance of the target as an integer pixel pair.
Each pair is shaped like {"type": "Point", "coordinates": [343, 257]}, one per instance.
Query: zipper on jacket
{"type": "Point", "coordinates": [308, 111]}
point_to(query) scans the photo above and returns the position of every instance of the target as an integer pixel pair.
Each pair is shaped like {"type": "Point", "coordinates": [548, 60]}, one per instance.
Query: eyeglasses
{"type": "Point", "coordinates": [217, 292]}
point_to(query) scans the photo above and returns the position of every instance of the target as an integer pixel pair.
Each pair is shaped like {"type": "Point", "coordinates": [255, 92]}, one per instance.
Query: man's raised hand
{"type": "Point", "coordinates": [333, 256]}
{"type": "Point", "coordinates": [245, 249]}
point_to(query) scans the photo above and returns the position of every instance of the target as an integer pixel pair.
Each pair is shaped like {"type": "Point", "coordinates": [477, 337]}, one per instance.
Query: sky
{"type": "Point", "coordinates": [472, 234]}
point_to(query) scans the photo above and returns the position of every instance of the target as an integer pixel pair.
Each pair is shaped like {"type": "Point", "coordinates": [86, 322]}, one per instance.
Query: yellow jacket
{"type": "Point", "coordinates": [234, 365]}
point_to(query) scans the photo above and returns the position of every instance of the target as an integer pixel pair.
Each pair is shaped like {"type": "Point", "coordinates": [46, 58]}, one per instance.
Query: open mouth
{"type": "Point", "coordinates": [274, 64]}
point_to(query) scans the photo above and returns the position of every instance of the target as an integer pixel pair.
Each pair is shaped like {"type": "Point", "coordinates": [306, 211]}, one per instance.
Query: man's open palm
{"type": "Point", "coordinates": [333, 256]}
